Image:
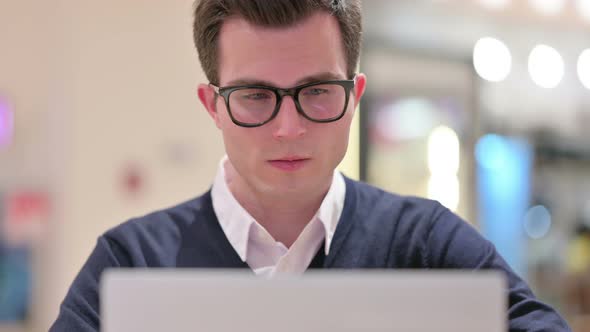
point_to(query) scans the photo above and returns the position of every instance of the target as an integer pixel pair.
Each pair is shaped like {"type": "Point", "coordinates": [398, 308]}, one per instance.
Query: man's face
{"type": "Point", "coordinates": [289, 153]}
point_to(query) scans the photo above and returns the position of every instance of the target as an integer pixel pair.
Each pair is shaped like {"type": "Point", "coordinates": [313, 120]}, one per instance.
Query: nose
{"type": "Point", "coordinates": [288, 124]}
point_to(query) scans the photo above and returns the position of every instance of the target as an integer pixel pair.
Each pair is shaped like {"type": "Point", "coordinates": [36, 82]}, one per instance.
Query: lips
{"type": "Point", "coordinates": [289, 164]}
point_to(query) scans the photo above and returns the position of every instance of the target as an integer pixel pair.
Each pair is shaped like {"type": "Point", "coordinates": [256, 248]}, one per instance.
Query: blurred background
{"type": "Point", "coordinates": [481, 104]}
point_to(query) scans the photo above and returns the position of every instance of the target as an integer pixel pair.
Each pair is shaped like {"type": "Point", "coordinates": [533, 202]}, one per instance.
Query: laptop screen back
{"type": "Point", "coordinates": [230, 301]}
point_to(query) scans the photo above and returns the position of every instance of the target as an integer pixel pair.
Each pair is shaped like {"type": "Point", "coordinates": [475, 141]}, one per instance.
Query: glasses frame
{"type": "Point", "coordinates": [225, 92]}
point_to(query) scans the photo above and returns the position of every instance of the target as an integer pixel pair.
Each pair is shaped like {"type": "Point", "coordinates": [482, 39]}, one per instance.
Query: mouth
{"type": "Point", "coordinates": [289, 164]}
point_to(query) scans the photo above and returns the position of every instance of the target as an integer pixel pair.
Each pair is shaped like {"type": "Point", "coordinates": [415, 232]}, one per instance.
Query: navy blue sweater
{"type": "Point", "coordinates": [377, 230]}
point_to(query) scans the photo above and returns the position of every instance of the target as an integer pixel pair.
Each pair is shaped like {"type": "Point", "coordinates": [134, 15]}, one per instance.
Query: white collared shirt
{"type": "Point", "coordinates": [258, 248]}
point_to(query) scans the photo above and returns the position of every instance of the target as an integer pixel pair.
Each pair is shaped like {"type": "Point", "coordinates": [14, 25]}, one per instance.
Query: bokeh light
{"type": "Point", "coordinates": [494, 4]}
{"type": "Point", "coordinates": [548, 7]}
{"type": "Point", "coordinates": [584, 68]}
{"type": "Point", "coordinates": [537, 222]}
{"type": "Point", "coordinates": [443, 151]}
{"type": "Point", "coordinates": [491, 151]}
{"type": "Point", "coordinates": [6, 123]}
{"type": "Point", "coordinates": [546, 66]}
{"type": "Point", "coordinates": [492, 59]}
{"type": "Point", "coordinates": [443, 163]}
{"type": "Point", "coordinates": [583, 7]}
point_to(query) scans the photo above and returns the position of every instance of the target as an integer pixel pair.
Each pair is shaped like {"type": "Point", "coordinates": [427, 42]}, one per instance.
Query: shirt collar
{"type": "Point", "coordinates": [233, 218]}
{"type": "Point", "coordinates": [236, 222]}
{"type": "Point", "coordinates": [331, 208]}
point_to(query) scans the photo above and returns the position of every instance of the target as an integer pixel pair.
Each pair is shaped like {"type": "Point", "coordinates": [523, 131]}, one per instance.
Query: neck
{"type": "Point", "coordinates": [283, 215]}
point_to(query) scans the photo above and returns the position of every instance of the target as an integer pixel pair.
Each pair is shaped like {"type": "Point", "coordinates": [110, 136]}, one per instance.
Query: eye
{"type": "Point", "coordinates": [254, 94]}
{"type": "Point", "coordinates": [315, 91]}
{"type": "Point", "coordinates": [257, 96]}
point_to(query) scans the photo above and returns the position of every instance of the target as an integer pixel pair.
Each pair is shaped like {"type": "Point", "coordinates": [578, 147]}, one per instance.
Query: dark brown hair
{"type": "Point", "coordinates": [210, 14]}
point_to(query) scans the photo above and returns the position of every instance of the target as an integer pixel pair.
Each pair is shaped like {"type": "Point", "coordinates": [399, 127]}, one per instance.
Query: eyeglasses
{"type": "Point", "coordinates": [255, 105]}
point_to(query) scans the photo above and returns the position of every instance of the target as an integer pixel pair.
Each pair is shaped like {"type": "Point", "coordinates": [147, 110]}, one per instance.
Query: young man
{"type": "Point", "coordinates": [283, 91]}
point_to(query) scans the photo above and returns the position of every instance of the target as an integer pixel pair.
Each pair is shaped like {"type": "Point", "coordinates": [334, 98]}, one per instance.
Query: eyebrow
{"type": "Point", "coordinates": [325, 76]}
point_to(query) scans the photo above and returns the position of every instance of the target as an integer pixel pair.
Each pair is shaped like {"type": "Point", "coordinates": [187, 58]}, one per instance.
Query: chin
{"type": "Point", "coordinates": [289, 184]}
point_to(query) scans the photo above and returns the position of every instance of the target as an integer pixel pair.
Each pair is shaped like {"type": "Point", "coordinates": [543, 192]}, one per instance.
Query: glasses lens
{"type": "Point", "coordinates": [323, 101]}
{"type": "Point", "coordinates": [252, 106]}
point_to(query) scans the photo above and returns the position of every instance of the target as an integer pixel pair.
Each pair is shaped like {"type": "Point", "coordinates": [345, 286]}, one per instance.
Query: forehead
{"type": "Point", "coordinates": [280, 55]}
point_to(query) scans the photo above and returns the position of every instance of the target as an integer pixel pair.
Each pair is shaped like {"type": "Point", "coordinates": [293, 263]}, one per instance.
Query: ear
{"type": "Point", "coordinates": [359, 88]}
{"type": "Point", "coordinates": [208, 99]}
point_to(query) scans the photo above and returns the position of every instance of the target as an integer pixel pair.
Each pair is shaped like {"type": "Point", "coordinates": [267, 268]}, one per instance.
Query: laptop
{"type": "Point", "coordinates": [180, 300]}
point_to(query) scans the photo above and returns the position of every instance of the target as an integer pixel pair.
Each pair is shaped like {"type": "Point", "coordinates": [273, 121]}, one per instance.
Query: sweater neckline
{"type": "Point", "coordinates": [230, 258]}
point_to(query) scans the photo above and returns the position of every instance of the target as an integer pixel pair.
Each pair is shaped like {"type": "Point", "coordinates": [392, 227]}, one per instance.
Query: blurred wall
{"type": "Point", "coordinates": [452, 28]}
{"type": "Point", "coordinates": [104, 93]}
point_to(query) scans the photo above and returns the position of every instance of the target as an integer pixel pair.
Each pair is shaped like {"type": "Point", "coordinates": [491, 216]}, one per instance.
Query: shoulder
{"type": "Point", "coordinates": [154, 239]}
{"type": "Point", "coordinates": [393, 230]}
{"type": "Point", "coordinates": [163, 220]}
{"type": "Point", "coordinates": [378, 206]}
{"type": "Point", "coordinates": [422, 228]}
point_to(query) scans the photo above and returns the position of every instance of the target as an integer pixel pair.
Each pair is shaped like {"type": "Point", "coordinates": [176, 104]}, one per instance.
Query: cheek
{"type": "Point", "coordinates": [234, 139]}
{"type": "Point", "coordinates": [343, 133]}
{"type": "Point", "coordinates": [337, 141]}
{"type": "Point", "coordinates": [242, 143]}
{"type": "Point", "coordinates": [341, 144]}
{"type": "Point", "coordinates": [343, 130]}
